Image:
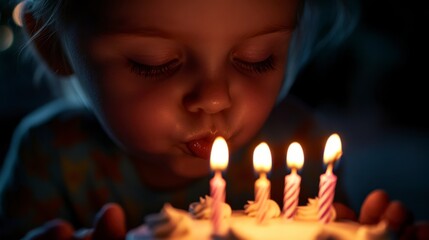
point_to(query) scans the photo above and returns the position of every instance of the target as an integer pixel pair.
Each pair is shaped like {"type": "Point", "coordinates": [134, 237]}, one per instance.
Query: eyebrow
{"type": "Point", "coordinates": [272, 29]}
{"type": "Point", "coordinates": [147, 32]}
{"type": "Point", "coordinates": [156, 32]}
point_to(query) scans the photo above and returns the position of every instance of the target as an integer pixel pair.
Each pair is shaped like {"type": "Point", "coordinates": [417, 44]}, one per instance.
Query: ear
{"type": "Point", "coordinates": [47, 44]}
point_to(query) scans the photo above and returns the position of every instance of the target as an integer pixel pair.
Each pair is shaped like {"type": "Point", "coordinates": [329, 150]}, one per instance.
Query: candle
{"type": "Point", "coordinates": [328, 180]}
{"type": "Point", "coordinates": [218, 162]}
{"type": "Point", "coordinates": [295, 160]}
{"type": "Point", "coordinates": [262, 165]}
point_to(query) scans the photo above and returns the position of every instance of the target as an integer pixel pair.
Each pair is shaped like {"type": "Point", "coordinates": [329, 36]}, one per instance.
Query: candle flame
{"type": "Point", "coordinates": [295, 156]}
{"type": "Point", "coordinates": [219, 154]}
{"type": "Point", "coordinates": [333, 149]}
{"type": "Point", "coordinates": [262, 158]}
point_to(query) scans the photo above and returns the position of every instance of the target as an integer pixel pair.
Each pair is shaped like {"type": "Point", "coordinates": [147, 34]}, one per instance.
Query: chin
{"type": "Point", "coordinates": [190, 167]}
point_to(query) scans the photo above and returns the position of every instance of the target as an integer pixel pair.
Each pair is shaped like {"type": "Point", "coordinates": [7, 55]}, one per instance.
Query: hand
{"type": "Point", "coordinates": [377, 206]}
{"type": "Point", "coordinates": [109, 224]}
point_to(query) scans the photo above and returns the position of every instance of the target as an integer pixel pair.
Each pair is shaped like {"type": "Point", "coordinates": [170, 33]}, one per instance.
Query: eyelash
{"type": "Point", "coordinates": [154, 71]}
{"type": "Point", "coordinates": [256, 67]}
{"type": "Point", "coordinates": [164, 70]}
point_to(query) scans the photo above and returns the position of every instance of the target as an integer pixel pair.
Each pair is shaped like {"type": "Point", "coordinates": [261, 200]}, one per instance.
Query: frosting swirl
{"type": "Point", "coordinates": [203, 208]}
{"type": "Point", "coordinates": [310, 211]}
{"type": "Point", "coordinates": [251, 209]}
{"type": "Point", "coordinates": [169, 223]}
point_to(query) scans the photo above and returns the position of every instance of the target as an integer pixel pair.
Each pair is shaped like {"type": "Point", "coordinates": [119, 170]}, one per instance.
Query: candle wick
{"type": "Point", "coordinates": [294, 170]}
{"type": "Point", "coordinates": [218, 174]}
{"type": "Point", "coordinates": [263, 175]}
{"type": "Point", "coordinates": [329, 170]}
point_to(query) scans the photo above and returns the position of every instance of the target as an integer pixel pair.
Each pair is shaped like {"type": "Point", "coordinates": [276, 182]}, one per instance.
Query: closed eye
{"type": "Point", "coordinates": [155, 71]}
{"type": "Point", "coordinates": [256, 67]}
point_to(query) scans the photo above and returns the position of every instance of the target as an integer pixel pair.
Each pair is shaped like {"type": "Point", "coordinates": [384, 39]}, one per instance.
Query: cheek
{"type": "Point", "coordinates": [255, 100]}
{"type": "Point", "coordinates": [135, 125]}
{"type": "Point", "coordinates": [142, 122]}
{"type": "Point", "coordinates": [136, 115]}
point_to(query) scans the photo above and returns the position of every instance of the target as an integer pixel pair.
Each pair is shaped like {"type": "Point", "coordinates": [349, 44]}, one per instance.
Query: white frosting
{"type": "Point", "coordinates": [203, 208]}
{"type": "Point", "coordinates": [364, 232]}
{"type": "Point", "coordinates": [310, 211]}
{"type": "Point", "coordinates": [177, 224]}
{"type": "Point", "coordinates": [245, 228]}
{"type": "Point", "coordinates": [170, 222]}
{"type": "Point", "coordinates": [251, 209]}
{"type": "Point", "coordinates": [379, 231]}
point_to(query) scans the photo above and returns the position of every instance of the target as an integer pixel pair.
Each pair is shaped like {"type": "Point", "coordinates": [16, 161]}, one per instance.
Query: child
{"type": "Point", "coordinates": [160, 79]}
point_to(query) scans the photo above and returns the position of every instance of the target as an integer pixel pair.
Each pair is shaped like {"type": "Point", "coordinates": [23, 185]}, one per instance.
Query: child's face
{"type": "Point", "coordinates": [166, 76]}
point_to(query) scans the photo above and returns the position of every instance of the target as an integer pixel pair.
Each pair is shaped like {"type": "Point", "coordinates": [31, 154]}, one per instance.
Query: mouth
{"type": "Point", "coordinates": [201, 147]}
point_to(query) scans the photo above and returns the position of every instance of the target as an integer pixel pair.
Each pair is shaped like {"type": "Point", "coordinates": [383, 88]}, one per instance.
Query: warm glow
{"type": "Point", "coordinates": [333, 149]}
{"type": "Point", "coordinates": [16, 14]}
{"type": "Point", "coordinates": [295, 156]}
{"type": "Point", "coordinates": [262, 158]}
{"type": "Point", "coordinates": [219, 154]}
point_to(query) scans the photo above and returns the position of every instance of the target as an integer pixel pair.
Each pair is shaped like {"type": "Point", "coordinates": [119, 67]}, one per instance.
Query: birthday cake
{"type": "Point", "coordinates": [172, 223]}
{"type": "Point", "coordinates": [212, 218]}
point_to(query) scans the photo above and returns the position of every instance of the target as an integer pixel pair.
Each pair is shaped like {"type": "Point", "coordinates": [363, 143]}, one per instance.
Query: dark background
{"type": "Point", "coordinates": [372, 90]}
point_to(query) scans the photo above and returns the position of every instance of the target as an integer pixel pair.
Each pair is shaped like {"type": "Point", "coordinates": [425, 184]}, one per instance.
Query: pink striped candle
{"type": "Point", "coordinates": [328, 181]}
{"type": "Point", "coordinates": [327, 185]}
{"type": "Point", "coordinates": [218, 162]}
{"type": "Point", "coordinates": [262, 164]}
{"type": "Point", "coordinates": [217, 192]}
{"type": "Point", "coordinates": [262, 194]}
{"type": "Point", "coordinates": [291, 194]}
{"type": "Point", "coordinates": [295, 160]}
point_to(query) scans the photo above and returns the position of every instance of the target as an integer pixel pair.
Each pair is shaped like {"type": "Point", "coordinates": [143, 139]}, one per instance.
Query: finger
{"type": "Point", "coordinates": [374, 207]}
{"type": "Point", "coordinates": [398, 216]}
{"type": "Point", "coordinates": [419, 231]}
{"type": "Point", "coordinates": [54, 229]}
{"type": "Point", "coordinates": [408, 233]}
{"type": "Point", "coordinates": [110, 223]}
{"type": "Point", "coordinates": [422, 231]}
{"type": "Point", "coordinates": [344, 212]}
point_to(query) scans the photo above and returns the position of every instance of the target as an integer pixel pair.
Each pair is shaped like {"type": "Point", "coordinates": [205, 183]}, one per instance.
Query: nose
{"type": "Point", "coordinates": [209, 97]}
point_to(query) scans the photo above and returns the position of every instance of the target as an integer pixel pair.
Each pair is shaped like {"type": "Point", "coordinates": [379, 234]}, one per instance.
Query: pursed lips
{"type": "Point", "coordinates": [201, 147]}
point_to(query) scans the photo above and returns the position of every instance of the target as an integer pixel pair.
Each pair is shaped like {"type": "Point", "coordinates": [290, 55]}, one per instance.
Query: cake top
{"type": "Point", "coordinates": [202, 209]}
{"type": "Point", "coordinates": [310, 211]}
{"type": "Point", "coordinates": [172, 223]}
